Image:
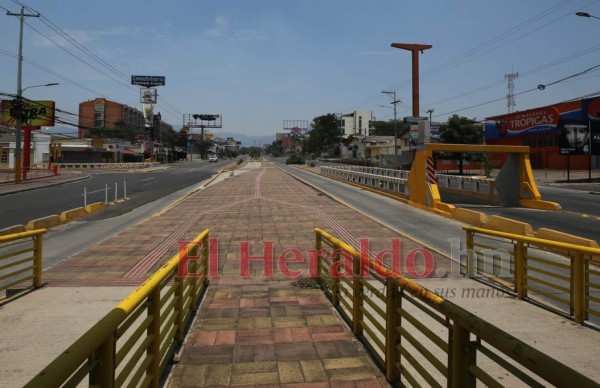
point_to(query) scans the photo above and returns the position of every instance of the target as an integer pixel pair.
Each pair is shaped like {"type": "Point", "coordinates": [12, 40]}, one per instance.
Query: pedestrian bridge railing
{"type": "Point", "coordinates": [133, 343]}
{"type": "Point", "coordinates": [556, 274]}
{"type": "Point", "coordinates": [21, 259]}
{"type": "Point", "coordinates": [422, 339]}
{"type": "Point", "coordinates": [380, 178]}
{"type": "Point", "coordinates": [397, 180]}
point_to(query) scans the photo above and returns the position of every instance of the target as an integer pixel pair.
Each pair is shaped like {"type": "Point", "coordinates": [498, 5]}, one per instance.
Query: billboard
{"type": "Point", "coordinates": [148, 95]}
{"type": "Point", "coordinates": [574, 138]}
{"type": "Point", "coordinates": [34, 113]}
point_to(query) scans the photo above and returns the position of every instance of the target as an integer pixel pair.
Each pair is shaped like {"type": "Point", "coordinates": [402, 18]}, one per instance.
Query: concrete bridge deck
{"type": "Point", "coordinates": [252, 329]}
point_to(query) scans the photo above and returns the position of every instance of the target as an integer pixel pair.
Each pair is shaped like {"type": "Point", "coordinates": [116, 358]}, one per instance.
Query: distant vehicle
{"type": "Point", "coordinates": [213, 158]}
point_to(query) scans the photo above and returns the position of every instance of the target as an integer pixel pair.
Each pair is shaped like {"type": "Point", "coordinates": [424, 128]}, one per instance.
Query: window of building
{"type": "Point", "coordinates": [4, 157]}
{"type": "Point", "coordinates": [360, 122]}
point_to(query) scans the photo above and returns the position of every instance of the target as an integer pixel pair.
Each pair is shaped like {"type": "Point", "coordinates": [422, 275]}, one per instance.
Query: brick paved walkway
{"type": "Point", "coordinates": [250, 330]}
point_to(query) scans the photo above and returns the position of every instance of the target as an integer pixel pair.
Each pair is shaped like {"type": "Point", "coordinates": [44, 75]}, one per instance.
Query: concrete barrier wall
{"type": "Point", "coordinates": [73, 214]}
{"type": "Point", "coordinates": [12, 230]}
{"type": "Point", "coordinates": [94, 207]}
{"type": "Point", "coordinates": [554, 235]}
{"type": "Point", "coordinates": [507, 225]}
{"type": "Point", "coordinates": [471, 217]}
{"type": "Point", "coordinates": [43, 223]}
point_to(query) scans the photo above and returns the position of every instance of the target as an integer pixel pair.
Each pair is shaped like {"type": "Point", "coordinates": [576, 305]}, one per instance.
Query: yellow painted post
{"type": "Point", "coordinates": [586, 285]}
{"type": "Point", "coordinates": [521, 269]}
{"type": "Point", "coordinates": [193, 271]}
{"type": "Point", "coordinates": [461, 356]}
{"type": "Point", "coordinates": [37, 258]}
{"type": "Point", "coordinates": [180, 314]}
{"type": "Point", "coordinates": [470, 253]}
{"type": "Point", "coordinates": [154, 332]}
{"type": "Point", "coordinates": [392, 338]}
{"type": "Point", "coordinates": [335, 281]}
{"type": "Point", "coordinates": [205, 270]}
{"type": "Point", "coordinates": [103, 374]}
{"type": "Point", "coordinates": [357, 295]}
{"type": "Point", "coordinates": [579, 287]}
{"type": "Point", "coordinates": [318, 245]}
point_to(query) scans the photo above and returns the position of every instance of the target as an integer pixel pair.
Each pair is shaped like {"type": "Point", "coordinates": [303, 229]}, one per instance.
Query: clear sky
{"type": "Point", "coordinates": [260, 62]}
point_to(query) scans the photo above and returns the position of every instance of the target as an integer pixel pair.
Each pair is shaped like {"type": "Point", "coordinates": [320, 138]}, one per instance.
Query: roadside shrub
{"type": "Point", "coordinates": [295, 160]}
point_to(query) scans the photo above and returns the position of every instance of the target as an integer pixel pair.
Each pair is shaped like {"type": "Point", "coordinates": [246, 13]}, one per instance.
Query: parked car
{"type": "Point", "coordinates": [213, 158]}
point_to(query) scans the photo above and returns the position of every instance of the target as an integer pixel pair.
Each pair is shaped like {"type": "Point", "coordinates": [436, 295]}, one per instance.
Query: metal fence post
{"type": "Point", "coordinates": [103, 374]}
{"type": "Point", "coordinates": [521, 270]}
{"type": "Point", "coordinates": [84, 197]}
{"type": "Point", "coordinates": [461, 357]}
{"type": "Point", "coordinates": [357, 295]}
{"type": "Point", "coordinates": [116, 192]}
{"type": "Point", "coordinates": [37, 254]}
{"type": "Point", "coordinates": [106, 194]}
{"type": "Point", "coordinates": [124, 190]}
{"type": "Point", "coordinates": [154, 332]}
{"type": "Point", "coordinates": [470, 253]}
{"type": "Point", "coordinates": [392, 337]}
{"type": "Point", "coordinates": [335, 281]}
{"type": "Point", "coordinates": [578, 287]}
{"type": "Point", "coordinates": [318, 245]}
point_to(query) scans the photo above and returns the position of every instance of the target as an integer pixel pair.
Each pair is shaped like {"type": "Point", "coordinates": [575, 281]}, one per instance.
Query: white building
{"type": "Point", "coordinates": [357, 123]}
{"type": "Point", "coordinates": [39, 151]}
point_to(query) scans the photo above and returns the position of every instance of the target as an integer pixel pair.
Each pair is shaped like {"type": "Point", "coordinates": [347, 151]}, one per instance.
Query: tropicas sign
{"type": "Point", "coordinates": [531, 121]}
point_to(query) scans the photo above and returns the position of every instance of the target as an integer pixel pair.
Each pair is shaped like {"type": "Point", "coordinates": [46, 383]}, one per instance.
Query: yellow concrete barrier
{"type": "Point", "coordinates": [554, 235]}
{"type": "Point", "coordinates": [73, 214]}
{"type": "Point", "coordinates": [94, 207]}
{"type": "Point", "coordinates": [43, 223]}
{"type": "Point", "coordinates": [471, 217]}
{"type": "Point", "coordinates": [12, 230]}
{"type": "Point", "coordinates": [507, 225]}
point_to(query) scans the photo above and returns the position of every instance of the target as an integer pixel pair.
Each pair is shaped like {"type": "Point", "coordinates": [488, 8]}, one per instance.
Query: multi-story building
{"type": "Point", "coordinates": [103, 113]}
{"type": "Point", "coordinates": [357, 123]}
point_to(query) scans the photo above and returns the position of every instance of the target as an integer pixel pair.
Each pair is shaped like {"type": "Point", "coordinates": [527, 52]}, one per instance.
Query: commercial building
{"type": "Point", "coordinates": [560, 136]}
{"type": "Point", "coordinates": [357, 123]}
{"type": "Point", "coordinates": [103, 113]}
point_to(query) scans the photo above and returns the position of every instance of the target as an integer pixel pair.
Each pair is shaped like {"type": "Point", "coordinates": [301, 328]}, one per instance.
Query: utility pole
{"type": "Point", "coordinates": [394, 102]}
{"type": "Point", "coordinates": [19, 123]}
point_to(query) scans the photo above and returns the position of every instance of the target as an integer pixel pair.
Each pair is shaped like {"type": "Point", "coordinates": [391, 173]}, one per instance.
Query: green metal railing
{"type": "Point", "coordinates": [21, 259]}
{"type": "Point", "coordinates": [422, 339]}
{"type": "Point", "coordinates": [133, 343]}
{"type": "Point", "coordinates": [556, 274]}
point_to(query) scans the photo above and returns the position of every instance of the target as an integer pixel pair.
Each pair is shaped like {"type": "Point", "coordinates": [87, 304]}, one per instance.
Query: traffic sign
{"type": "Point", "coordinates": [147, 80]}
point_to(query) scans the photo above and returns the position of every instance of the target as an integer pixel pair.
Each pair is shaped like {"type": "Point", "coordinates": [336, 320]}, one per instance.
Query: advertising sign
{"type": "Point", "coordinates": [148, 95]}
{"type": "Point", "coordinates": [574, 137]}
{"type": "Point", "coordinates": [529, 122]}
{"type": "Point", "coordinates": [413, 136]}
{"type": "Point", "coordinates": [148, 110]}
{"type": "Point", "coordinates": [147, 80]}
{"type": "Point", "coordinates": [33, 113]}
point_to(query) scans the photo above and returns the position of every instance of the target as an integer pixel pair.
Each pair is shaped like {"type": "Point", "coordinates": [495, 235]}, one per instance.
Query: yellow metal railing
{"type": "Point", "coordinates": [558, 275]}
{"type": "Point", "coordinates": [422, 339]}
{"type": "Point", "coordinates": [21, 259]}
{"type": "Point", "coordinates": [133, 343]}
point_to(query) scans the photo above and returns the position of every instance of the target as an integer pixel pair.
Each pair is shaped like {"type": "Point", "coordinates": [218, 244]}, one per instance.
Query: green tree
{"type": "Point", "coordinates": [386, 128]}
{"type": "Point", "coordinates": [461, 130]}
{"type": "Point", "coordinates": [324, 135]}
{"type": "Point", "coordinates": [275, 149]}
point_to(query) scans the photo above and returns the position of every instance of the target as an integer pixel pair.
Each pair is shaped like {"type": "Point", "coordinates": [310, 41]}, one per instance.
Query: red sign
{"type": "Point", "coordinates": [529, 121]}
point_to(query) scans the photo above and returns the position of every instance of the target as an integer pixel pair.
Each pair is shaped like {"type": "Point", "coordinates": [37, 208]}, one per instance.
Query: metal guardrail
{"type": "Point", "coordinates": [20, 262]}
{"type": "Point", "coordinates": [397, 180]}
{"type": "Point", "coordinates": [133, 343]}
{"type": "Point", "coordinates": [380, 178]}
{"type": "Point", "coordinates": [556, 274]}
{"type": "Point", "coordinates": [422, 339]}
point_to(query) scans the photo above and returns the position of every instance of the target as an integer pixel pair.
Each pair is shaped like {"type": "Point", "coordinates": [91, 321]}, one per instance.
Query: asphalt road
{"type": "Point", "coordinates": [142, 188]}
{"type": "Point", "coordinates": [581, 207]}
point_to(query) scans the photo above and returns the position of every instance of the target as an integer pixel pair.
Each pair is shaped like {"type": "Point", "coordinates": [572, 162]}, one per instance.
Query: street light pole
{"type": "Point", "coordinates": [394, 102]}
{"type": "Point", "coordinates": [586, 15]}
{"type": "Point", "coordinates": [19, 122]}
